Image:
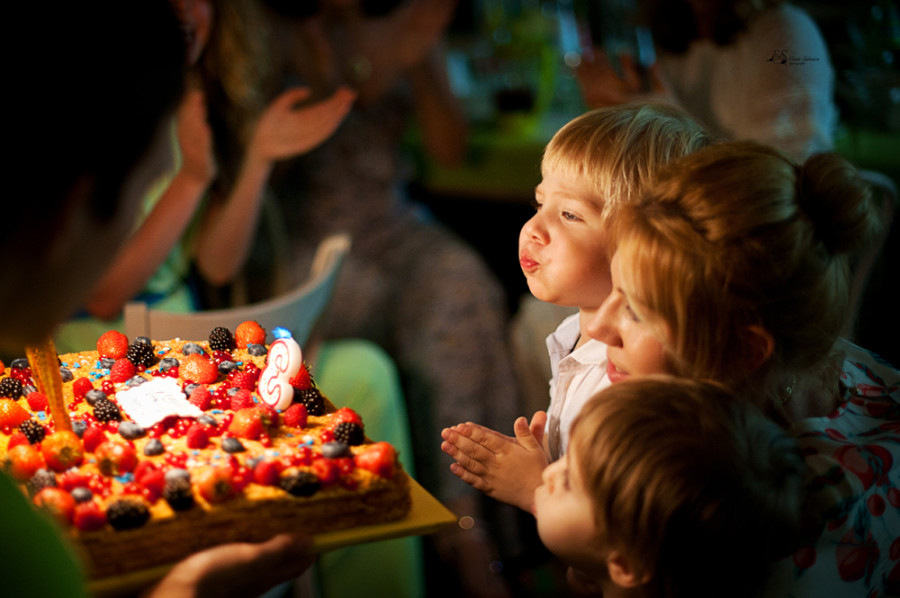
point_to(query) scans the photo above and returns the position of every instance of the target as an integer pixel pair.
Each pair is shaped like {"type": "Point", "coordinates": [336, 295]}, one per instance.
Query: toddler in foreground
{"type": "Point", "coordinates": [596, 163]}
{"type": "Point", "coordinates": [671, 488]}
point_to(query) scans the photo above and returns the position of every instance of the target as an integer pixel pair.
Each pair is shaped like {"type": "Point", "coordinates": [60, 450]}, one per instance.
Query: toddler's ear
{"type": "Point", "coordinates": [761, 345]}
{"type": "Point", "coordinates": [623, 573]}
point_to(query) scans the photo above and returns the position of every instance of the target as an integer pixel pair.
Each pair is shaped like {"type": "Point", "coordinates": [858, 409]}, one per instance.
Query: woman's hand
{"type": "Point", "coordinates": [505, 468]}
{"type": "Point", "coordinates": [195, 140]}
{"type": "Point", "coordinates": [237, 569]}
{"type": "Point", "coordinates": [601, 85]}
{"type": "Point", "coordinates": [285, 130]}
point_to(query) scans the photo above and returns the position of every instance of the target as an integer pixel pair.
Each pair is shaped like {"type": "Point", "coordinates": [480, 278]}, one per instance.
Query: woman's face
{"type": "Point", "coordinates": [635, 344]}
{"type": "Point", "coordinates": [196, 19]}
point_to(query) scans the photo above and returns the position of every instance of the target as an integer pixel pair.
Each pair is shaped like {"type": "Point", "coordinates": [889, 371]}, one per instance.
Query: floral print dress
{"type": "Point", "coordinates": [853, 456]}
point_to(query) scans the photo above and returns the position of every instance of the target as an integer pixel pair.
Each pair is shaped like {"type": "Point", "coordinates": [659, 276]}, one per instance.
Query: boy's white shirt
{"type": "Point", "coordinates": [577, 375]}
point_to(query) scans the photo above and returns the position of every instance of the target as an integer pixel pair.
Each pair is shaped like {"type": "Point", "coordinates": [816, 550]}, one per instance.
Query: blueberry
{"type": "Point", "coordinates": [79, 426]}
{"type": "Point", "coordinates": [190, 388]}
{"type": "Point", "coordinates": [28, 389]}
{"type": "Point", "coordinates": [142, 340]}
{"type": "Point", "coordinates": [208, 420]}
{"type": "Point", "coordinates": [82, 494]}
{"type": "Point", "coordinates": [135, 381]}
{"type": "Point", "coordinates": [227, 367]}
{"type": "Point", "coordinates": [176, 473]}
{"type": "Point", "coordinates": [231, 391]}
{"type": "Point", "coordinates": [20, 363]}
{"type": "Point", "coordinates": [154, 447]}
{"type": "Point", "coordinates": [107, 363]}
{"type": "Point", "coordinates": [167, 363]}
{"type": "Point", "coordinates": [335, 450]}
{"type": "Point", "coordinates": [93, 395]}
{"type": "Point", "coordinates": [66, 374]}
{"type": "Point", "coordinates": [131, 431]}
{"type": "Point", "coordinates": [191, 348]}
{"type": "Point", "coordinates": [230, 444]}
{"type": "Point", "coordinates": [256, 350]}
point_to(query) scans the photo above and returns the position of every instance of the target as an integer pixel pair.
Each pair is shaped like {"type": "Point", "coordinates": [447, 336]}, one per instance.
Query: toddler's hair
{"type": "Point", "coordinates": [620, 148]}
{"type": "Point", "coordinates": [695, 486]}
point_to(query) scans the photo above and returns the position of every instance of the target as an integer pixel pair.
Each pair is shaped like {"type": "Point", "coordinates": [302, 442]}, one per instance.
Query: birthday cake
{"type": "Point", "coordinates": [176, 446]}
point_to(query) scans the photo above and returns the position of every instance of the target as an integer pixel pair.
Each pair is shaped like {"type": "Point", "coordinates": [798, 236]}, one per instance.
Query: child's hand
{"type": "Point", "coordinates": [505, 468]}
{"type": "Point", "coordinates": [602, 86]}
{"type": "Point", "coordinates": [284, 130]}
{"type": "Point", "coordinates": [195, 139]}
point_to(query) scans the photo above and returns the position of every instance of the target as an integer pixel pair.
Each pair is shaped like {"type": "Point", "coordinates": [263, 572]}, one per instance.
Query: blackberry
{"type": "Point", "coordinates": [32, 430]}
{"type": "Point", "coordinates": [311, 399]}
{"type": "Point", "coordinates": [140, 354]}
{"type": "Point", "coordinates": [106, 411]}
{"type": "Point", "coordinates": [42, 478]}
{"type": "Point", "coordinates": [221, 339]}
{"type": "Point", "coordinates": [178, 494]}
{"type": "Point", "coordinates": [127, 514]}
{"type": "Point", "coordinates": [11, 388]}
{"type": "Point", "coordinates": [302, 483]}
{"type": "Point", "coordinates": [349, 433]}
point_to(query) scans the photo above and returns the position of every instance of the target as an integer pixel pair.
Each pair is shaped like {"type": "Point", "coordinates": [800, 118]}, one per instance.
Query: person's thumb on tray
{"type": "Point", "coordinates": [237, 569]}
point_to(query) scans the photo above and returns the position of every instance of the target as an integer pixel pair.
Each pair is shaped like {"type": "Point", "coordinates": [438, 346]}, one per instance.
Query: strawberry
{"type": "Point", "coordinates": [37, 401]}
{"type": "Point", "coordinates": [11, 414]}
{"type": "Point", "coordinates": [2, 367]}
{"type": "Point", "coordinates": [89, 516]}
{"type": "Point", "coordinates": [80, 387]}
{"type": "Point", "coordinates": [22, 461]}
{"type": "Point", "coordinates": [295, 416]}
{"type": "Point", "coordinates": [70, 480]}
{"type": "Point", "coordinates": [199, 369]}
{"type": "Point", "coordinates": [201, 397]}
{"type": "Point", "coordinates": [153, 483]}
{"type": "Point", "coordinates": [268, 414]}
{"type": "Point", "coordinates": [247, 423]}
{"type": "Point", "coordinates": [16, 439]}
{"type": "Point", "coordinates": [326, 470]}
{"type": "Point", "coordinates": [197, 436]}
{"type": "Point", "coordinates": [301, 380]}
{"type": "Point", "coordinates": [112, 344]}
{"type": "Point", "coordinates": [345, 414]}
{"type": "Point", "coordinates": [242, 380]}
{"type": "Point", "coordinates": [378, 458]}
{"type": "Point", "coordinates": [267, 472]}
{"type": "Point", "coordinates": [62, 450]}
{"type": "Point", "coordinates": [249, 333]}
{"type": "Point", "coordinates": [242, 399]}
{"type": "Point", "coordinates": [122, 371]}
{"type": "Point", "coordinates": [57, 502]}
{"type": "Point", "coordinates": [93, 437]}
{"type": "Point", "coordinates": [215, 484]}
{"type": "Point", "coordinates": [115, 457]}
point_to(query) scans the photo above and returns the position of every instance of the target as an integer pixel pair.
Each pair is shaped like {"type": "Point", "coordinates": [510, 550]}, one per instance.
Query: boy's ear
{"type": "Point", "coordinates": [760, 346]}
{"type": "Point", "coordinates": [622, 573]}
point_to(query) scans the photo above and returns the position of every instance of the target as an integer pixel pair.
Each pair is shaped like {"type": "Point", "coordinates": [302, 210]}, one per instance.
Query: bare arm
{"type": "Point", "coordinates": [283, 131]}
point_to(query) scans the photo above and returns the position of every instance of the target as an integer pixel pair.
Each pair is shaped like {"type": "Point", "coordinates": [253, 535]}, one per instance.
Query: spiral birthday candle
{"type": "Point", "coordinates": [45, 371]}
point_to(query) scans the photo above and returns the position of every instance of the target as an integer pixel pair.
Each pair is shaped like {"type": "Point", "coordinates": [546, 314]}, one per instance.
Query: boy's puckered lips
{"type": "Point", "coordinates": [527, 263]}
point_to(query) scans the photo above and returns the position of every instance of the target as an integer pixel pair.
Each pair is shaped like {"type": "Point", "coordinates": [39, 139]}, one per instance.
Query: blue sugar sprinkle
{"type": "Point", "coordinates": [280, 332]}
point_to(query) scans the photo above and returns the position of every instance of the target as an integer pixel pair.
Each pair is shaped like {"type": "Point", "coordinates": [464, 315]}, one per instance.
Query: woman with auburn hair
{"type": "Point", "coordinates": [735, 268]}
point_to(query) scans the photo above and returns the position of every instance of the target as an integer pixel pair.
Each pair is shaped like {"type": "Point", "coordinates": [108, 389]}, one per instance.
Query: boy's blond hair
{"type": "Point", "coordinates": [619, 149]}
{"type": "Point", "coordinates": [695, 486]}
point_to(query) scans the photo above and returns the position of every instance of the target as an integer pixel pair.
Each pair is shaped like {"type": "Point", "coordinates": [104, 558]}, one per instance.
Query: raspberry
{"type": "Point", "coordinates": [37, 401]}
{"type": "Point", "coordinates": [349, 433]}
{"type": "Point", "coordinates": [266, 473]}
{"type": "Point", "coordinates": [122, 370]}
{"type": "Point", "coordinates": [89, 517]}
{"type": "Point", "coordinates": [201, 398]}
{"type": "Point", "coordinates": [242, 380]}
{"type": "Point", "coordinates": [241, 400]}
{"type": "Point", "coordinates": [295, 416]}
{"type": "Point", "coordinates": [127, 513]}
{"type": "Point", "coordinates": [312, 399]}
{"type": "Point", "coordinates": [221, 339]}
{"type": "Point", "coordinates": [197, 436]}
{"type": "Point", "coordinates": [80, 387]}
{"type": "Point", "coordinates": [32, 430]}
{"type": "Point", "coordinates": [11, 388]}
